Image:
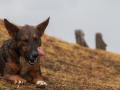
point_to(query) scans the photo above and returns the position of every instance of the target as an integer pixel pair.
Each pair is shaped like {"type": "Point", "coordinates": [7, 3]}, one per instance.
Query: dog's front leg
{"type": "Point", "coordinates": [10, 72]}
{"type": "Point", "coordinates": [37, 79]}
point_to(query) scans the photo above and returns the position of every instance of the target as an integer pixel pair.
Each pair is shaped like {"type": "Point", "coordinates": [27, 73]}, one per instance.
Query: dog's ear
{"type": "Point", "coordinates": [42, 26]}
{"type": "Point", "coordinates": [12, 29]}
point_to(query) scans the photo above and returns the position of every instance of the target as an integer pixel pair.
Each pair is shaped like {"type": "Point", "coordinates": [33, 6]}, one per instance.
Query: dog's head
{"type": "Point", "coordinates": [27, 38]}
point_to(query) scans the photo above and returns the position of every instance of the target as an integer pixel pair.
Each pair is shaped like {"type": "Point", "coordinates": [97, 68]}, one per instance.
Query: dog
{"type": "Point", "coordinates": [19, 55]}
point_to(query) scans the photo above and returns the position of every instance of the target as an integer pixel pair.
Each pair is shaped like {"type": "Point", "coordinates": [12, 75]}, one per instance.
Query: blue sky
{"type": "Point", "coordinates": [91, 16]}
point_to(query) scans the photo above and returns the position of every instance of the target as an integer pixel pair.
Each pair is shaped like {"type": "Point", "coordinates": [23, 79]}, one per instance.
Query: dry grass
{"type": "Point", "coordinates": [73, 67]}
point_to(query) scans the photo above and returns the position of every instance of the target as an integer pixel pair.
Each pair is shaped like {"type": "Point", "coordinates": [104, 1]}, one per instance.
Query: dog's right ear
{"type": "Point", "coordinates": [12, 29]}
{"type": "Point", "coordinates": [42, 26]}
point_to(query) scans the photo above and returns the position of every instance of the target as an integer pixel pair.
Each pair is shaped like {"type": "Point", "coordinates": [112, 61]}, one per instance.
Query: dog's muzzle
{"type": "Point", "coordinates": [33, 58]}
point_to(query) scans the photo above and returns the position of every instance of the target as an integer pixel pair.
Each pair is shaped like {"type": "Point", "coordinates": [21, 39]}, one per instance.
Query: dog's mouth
{"type": "Point", "coordinates": [32, 62]}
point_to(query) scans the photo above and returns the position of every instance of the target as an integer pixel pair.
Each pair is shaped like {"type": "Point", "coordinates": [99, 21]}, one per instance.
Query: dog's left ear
{"type": "Point", "coordinates": [11, 28]}
{"type": "Point", "coordinates": [42, 26]}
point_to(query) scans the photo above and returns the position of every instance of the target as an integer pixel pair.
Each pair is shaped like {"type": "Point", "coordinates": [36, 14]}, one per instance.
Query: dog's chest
{"type": "Point", "coordinates": [24, 66]}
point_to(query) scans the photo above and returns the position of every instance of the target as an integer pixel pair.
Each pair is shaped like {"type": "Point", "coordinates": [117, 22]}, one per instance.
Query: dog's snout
{"type": "Point", "coordinates": [35, 54]}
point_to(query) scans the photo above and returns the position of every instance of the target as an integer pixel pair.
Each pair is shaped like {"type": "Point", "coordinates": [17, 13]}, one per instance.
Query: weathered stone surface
{"type": "Point", "coordinates": [100, 44]}
{"type": "Point", "coordinates": [80, 38]}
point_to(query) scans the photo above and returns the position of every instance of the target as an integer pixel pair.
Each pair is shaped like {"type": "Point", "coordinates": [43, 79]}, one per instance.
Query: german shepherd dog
{"type": "Point", "coordinates": [19, 57]}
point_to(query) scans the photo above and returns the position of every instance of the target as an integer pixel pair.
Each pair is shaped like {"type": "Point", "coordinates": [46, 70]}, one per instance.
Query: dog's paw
{"type": "Point", "coordinates": [41, 84]}
{"type": "Point", "coordinates": [19, 81]}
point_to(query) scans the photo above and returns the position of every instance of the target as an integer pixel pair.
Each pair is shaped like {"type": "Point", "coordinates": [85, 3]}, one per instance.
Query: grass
{"type": "Point", "coordinates": [73, 67]}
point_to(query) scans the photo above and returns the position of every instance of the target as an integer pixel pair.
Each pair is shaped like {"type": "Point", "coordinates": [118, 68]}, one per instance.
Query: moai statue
{"type": "Point", "coordinates": [80, 38]}
{"type": "Point", "coordinates": [100, 44]}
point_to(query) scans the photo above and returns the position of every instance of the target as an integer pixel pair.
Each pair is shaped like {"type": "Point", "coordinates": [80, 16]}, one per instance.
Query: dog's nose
{"type": "Point", "coordinates": [35, 54]}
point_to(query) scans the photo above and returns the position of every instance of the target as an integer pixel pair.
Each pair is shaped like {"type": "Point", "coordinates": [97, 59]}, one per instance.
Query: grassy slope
{"type": "Point", "coordinates": [73, 67]}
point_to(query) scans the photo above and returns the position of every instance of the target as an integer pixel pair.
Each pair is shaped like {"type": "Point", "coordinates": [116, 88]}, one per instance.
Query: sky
{"type": "Point", "coordinates": [91, 16]}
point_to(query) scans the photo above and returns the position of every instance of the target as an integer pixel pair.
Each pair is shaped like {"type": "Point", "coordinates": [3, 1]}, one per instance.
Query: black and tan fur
{"type": "Point", "coordinates": [19, 56]}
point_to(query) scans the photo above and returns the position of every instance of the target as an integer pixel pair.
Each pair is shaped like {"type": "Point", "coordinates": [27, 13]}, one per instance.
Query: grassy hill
{"type": "Point", "coordinates": [72, 67]}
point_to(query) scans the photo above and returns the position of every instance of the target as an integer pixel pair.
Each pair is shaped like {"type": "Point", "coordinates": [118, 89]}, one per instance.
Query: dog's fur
{"type": "Point", "coordinates": [19, 57]}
